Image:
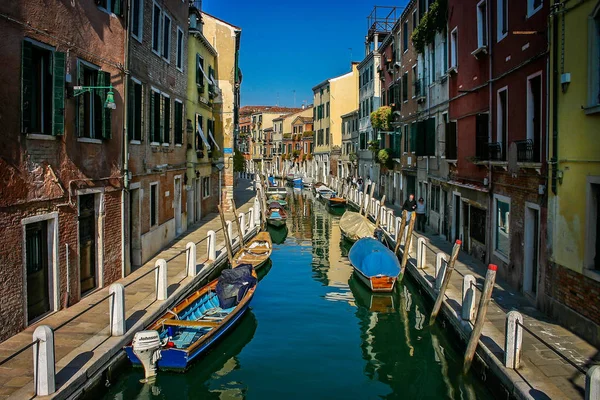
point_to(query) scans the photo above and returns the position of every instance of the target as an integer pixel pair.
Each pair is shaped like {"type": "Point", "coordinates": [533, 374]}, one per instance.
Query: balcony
{"type": "Point", "coordinates": [420, 87]}
{"type": "Point", "coordinates": [486, 151]}
{"type": "Point", "coordinates": [525, 153]}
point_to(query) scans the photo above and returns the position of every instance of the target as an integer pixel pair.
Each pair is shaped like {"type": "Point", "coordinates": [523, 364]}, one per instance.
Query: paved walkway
{"type": "Point", "coordinates": [83, 343]}
{"type": "Point", "coordinates": [542, 374]}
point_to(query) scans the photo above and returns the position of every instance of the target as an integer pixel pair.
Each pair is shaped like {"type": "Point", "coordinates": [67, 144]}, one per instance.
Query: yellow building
{"type": "Point", "coordinates": [333, 98]}
{"type": "Point", "coordinates": [573, 276]}
{"type": "Point", "coordinates": [202, 94]}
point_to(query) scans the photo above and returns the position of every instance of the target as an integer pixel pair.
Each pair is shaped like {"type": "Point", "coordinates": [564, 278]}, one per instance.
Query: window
{"type": "Point", "coordinates": [166, 119]}
{"type": "Point", "coordinates": [502, 225]}
{"type": "Point", "coordinates": [93, 119]}
{"type": "Point", "coordinates": [156, 28]}
{"type": "Point", "coordinates": [327, 110]}
{"type": "Point", "coordinates": [502, 20]}
{"type": "Point", "coordinates": [592, 242]}
{"type": "Point", "coordinates": [112, 6]}
{"type": "Point", "coordinates": [42, 90]}
{"type": "Point", "coordinates": [178, 122]}
{"type": "Point", "coordinates": [435, 198]}
{"type": "Point", "coordinates": [327, 136]}
{"type": "Point", "coordinates": [405, 36]}
{"type": "Point", "coordinates": [179, 61]}
{"type": "Point", "coordinates": [502, 123]}
{"type": "Point", "coordinates": [405, 139]}
{"type": "Point", "coordinates": [137, 19]}
{"type": "Point", "coordinates": [134, 114]}
{"type": "Point", "coordinates": [454, 48]}
{"type": "Point", "coordinates": [200, 75]}
{"type": "Point", "coordinates": [533, 6]}
{"type": "Point", "coordinates": [205, 186]}
{"type": "Point", "coordinates": [534, 118]}
{"type": "Point", "coordinates": [153, 204]}
{"type": "Point", "coordinates": [405, 86]}
{"type": "Point", "coordinates": [482, 24]}
{"type": "Point", "coordinates": [166, 42]}
{"type": "Point", "coordinates": [155, 120]}
{"type": "Point", "coordinates": [415, 22]}
{"type": "Point", "coordinates": [594, 63]}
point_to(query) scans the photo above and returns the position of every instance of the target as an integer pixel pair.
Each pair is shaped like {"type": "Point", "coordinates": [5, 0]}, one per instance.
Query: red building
{"type": "Point", "coordinates": [497, 58]}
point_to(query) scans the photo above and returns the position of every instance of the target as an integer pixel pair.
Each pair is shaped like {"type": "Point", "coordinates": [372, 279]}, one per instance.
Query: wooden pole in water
{"type": "Point", "coordinates": [379, 212]}
{"type": "Point", "coordinates": [227, 242]}
{"type": "Point", "coordinates": [411, 225]}
{"type": "Point", "coordinates": [400, 233]}
{"type": "Point", "coordinates": [237, 222]}
{"type": "Point", "coordinates": [484, 302]}
{"type": "Point", "coordinates": [264, 213]}
{"type": "Point", "coordinates": [445, 281]}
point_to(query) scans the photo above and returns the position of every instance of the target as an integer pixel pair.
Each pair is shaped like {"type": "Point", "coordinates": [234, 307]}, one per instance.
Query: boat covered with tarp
{"type": "Point", "coordinates": [375, 264]}
{"type": "Point", "coordinates": [355, 226]}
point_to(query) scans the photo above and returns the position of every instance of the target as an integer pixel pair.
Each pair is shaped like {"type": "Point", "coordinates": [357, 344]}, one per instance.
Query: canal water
{"type": "Point", "coordinates": [316, 332]}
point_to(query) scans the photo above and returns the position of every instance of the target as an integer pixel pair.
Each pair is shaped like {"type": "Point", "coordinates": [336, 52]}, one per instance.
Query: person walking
{"type": "Point", "coordinates": [410, 206]}
{"type": "Point", "coordinates": [421, 215]}
{"type": "Point", "coordinates": [359, 182]}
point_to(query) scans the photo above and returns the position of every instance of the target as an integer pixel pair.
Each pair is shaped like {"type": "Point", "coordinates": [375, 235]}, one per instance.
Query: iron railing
{"type": "Point", "coordinates": [525, 150]}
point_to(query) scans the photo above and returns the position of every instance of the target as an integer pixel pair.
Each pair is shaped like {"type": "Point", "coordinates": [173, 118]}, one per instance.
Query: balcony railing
{"type": "Point", "coordinates": [525, 151]}
{"type": "Point", "coordinates": [486, 151]}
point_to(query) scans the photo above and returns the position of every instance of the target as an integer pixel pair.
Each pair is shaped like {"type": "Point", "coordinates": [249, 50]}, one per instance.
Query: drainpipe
{"type": "Point", "coordinates": [554, 161]}
{"type": "Point", "coordinates": [490, 217]}
{"type": "Point", "coordinates": [125, 195]}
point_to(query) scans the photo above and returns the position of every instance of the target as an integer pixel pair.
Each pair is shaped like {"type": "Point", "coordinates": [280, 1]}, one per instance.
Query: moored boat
{"type": "Point", "coordinates": [276, 192]}
{"type": "Point", "coordinates": [337, 202]}
{"type": "Point", "coordinates": [276, 214]}
{"type": "Point", "coordinates": [256, 252]}
{"type": "Point", "coordinates": [355, 226]}
{"type": "Point", "coordinates": [375, 265]}
{"type": "Point", "coordinates": [188, 330]}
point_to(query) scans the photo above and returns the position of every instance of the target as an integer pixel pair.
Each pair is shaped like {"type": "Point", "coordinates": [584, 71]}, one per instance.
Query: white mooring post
{"type": "Point", "coordinates": [161, 278]}
{"type": "Point", "coordinates": [243, 224]}
{"type": "Point", "coordinates": [441, 261]}
{"type": "Point", "coordinates": [256, 211]}
{"type": "Point", "coordinates": [43, 361]}
{"type": "Point", "coordinates": [513, 340]}
{"type": "Point", "coordinates": [230, 231]}
{"type": "Point", "coordinates": [592, 383]}
{"type": "Point", "coordinates": [397, 233]}
{"type": "Point", "coordinates": [251, 219]}
{"type": "Point", "coordinates": [116, 308]}
{"type": "Point", "coordinates": [421, 251]}
{"type": "Point", "coordinates": [376, 205]}
{"type": "Point", "coordinates": [212, 245]}
{"type": "Point", "coordinates": [468, 298]}
{"type": "Point", "coordinates": [190, 261]}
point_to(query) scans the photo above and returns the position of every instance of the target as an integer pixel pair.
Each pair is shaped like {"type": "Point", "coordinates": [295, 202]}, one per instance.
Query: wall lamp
{"type": "Point", "coordinates": [110, 96]}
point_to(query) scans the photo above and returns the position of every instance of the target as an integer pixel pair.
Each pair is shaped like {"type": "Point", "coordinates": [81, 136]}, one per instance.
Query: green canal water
{"type": "Point", "coordinates": [315, 332]}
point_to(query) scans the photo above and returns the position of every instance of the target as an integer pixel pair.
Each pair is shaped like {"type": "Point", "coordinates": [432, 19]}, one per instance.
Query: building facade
{"type": "Point", "coordinates": [349, 159]}
{"type": "Point", "coordinates": [61, 159]}
{"type": "Point", "coordinates": [572, 279]}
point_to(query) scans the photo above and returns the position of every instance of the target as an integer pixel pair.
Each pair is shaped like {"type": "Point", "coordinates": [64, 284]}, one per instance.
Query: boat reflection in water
{"type": "Point", "coordinates": [207, 378]}
{"type": "Point", "coordinates": [278, 235]}
{"type": "Point", "coordinates": [264, 270]}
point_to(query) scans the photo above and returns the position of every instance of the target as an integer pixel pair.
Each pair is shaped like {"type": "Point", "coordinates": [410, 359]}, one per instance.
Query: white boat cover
{"type": "Point", "coordinates": [355, 226]}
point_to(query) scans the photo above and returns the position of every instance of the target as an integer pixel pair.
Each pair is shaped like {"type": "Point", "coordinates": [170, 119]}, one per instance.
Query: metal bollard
{"type": "Point", "coordinates": [513, 340]}
{"type": "Point", "coordinates": [421, 251]}
{"type": "Point", "coordinates": [243, 224]}
{"type": "Point", "coordinates": [43, 361]}
{"type": "Point", "coordinates": [116, 308]}
{"type": "Point", "coordinates": [161, 279]}
{"type": "Point", "coordinates": [592, 383]}
{"type": "Point", "coordinates": [212, 245]}
{"type": "Point", "coordinates": [190, 252]}
{"type": "Point", "coordinates": [468, 298]}
{"type": "Point", "coordinates": [441, 261]}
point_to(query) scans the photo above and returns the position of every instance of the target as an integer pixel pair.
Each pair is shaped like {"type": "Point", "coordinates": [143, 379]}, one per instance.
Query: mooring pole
{"type": "Point", "coordinates": [445, 282]}
{"type": "Point", "coordinates": [405, 254]}
{"type": "Point", "coordinates": [379, 212]}
{"type": "Point", "coordinates": [484, 302]}
{"type": "Point", "coordinates": [227, 240]}
{"type": "Point", "coordinates": [400, 233]}
{"type": "Point", "coordinates": [237, 222]}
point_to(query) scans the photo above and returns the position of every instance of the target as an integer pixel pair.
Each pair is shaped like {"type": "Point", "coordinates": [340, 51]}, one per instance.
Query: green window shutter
{"type": "Point", "coordinates": [167, 119]}
{"type": "Point", "coordinates": [198, 69]}
{"type": "Point", "coordinates": [430, 137]}
{"type": "Point", "coordinates": [413, 136]}
{"type": "Point", "coordinates": [130, 109]}
{"type": "Point", "coordinates": [26, 86]}
{"type": "Point", "coordinates": [104, 80]}
{"type": "Point", "coordinates": [151, 120]}
{"type": "Point", "coordinates": [117, 7]}
{"type": "Point", "coordinates": [58, 122]}
{"type": "Point", "coordinates": [80, 105]}
{"type": "Point", "coordinates": [421, 138]}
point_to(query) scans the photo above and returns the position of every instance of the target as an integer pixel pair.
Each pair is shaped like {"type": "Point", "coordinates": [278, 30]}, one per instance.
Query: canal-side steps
{"type": "Point", "coordinates": [88, 337]}
{"type": "Point", "coordinates": [544, 360]}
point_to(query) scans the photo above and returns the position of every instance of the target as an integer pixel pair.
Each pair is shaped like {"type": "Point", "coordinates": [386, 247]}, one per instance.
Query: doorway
{"type": "Point", "coordinates": [36, 258]}
{"type": "Point", "coordinates": [177, 205]}
{"type": "Point", "coordinates": [466, 224]}
{"type": "Point", "coordinates": [531, 250]}
{"type": "Point", "coordinates": [197, 200]}
{"type": "Point", "coordinates": [135, 232]}
{"type": "Point", "coordinates": [456, 221]}
{"type": "Point", "coordinates": [87, 243]}
{"type": "Point", "coordinates": [444, 207]}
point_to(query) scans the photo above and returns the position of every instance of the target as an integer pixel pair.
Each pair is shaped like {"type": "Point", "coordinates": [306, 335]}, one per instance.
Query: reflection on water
{"type": "Point", "coordinates": [315, 331]}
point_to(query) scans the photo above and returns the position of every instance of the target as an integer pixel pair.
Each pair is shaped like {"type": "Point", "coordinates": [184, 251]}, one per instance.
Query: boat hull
{"type": "Point", "coordinates": [276, 222]}
{"type": "Point", "coordinates": [377, 284]}
{"type": "Point", "coordinates": [257, 260]}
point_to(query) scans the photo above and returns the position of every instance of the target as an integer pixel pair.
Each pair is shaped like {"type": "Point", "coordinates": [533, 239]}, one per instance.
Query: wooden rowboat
{"type": "Point", "coordinates": [256, 252]}
{"type": "Point", "coordinates": [375, 265]}
{"type": "Point", "coordinates": [337, 202]}
{"type": "Point", "coordinates": [192, 326]}
{"type": "Point", "coordinates": [276, 215]}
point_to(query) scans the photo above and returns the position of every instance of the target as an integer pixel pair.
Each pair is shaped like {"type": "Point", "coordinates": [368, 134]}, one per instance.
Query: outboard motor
{"type": "Point", "coordinates": [146, 346]}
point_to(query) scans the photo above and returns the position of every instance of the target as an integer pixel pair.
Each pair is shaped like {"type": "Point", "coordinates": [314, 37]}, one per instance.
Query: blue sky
{"type": "Point", "coordinates": [293, 45]}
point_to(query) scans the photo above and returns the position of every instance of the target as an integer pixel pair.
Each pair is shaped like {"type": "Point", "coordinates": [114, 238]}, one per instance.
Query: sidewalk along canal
{"type": "Point", "coordinates": [315, 331]}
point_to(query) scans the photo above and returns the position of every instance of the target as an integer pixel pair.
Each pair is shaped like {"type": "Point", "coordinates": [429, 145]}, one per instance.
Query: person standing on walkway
{"type": "Point", "coordinates": [359, 182]}
{"type": "Point", "coordinates": [421, 215]}
{"type": "Point", "coordinates": [410, 206]}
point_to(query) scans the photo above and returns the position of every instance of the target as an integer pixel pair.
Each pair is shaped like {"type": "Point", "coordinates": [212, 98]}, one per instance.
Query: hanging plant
{"type": "Point", "coordinates": [385, 159]}
{"type": "Point", "coordinates": [381, 118]}
{"type": "Point", "coordinates": [374, 146]}
{"type": "Point", "coordinates": [433, 21]}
